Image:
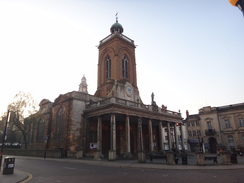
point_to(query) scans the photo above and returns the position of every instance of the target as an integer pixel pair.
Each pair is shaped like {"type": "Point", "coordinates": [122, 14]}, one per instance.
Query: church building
{"type": "Point", "coordinates": [114, 122]}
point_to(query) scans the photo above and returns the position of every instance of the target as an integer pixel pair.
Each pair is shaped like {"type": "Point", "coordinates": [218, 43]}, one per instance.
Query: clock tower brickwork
{"type": "Point", "coordinates": [117, 66]}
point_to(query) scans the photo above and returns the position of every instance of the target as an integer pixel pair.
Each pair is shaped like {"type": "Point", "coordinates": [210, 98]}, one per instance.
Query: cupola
{"type": "Point", "coordinates": [116, 27]}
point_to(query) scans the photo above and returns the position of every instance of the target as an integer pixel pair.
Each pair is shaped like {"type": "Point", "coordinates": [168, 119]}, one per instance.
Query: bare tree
{"type": "Point", "coordinates": [23, 113]}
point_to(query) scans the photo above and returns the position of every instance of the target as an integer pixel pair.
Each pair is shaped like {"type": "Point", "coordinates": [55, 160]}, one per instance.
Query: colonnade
{"type": "Point", "coordinates": [172, 135]}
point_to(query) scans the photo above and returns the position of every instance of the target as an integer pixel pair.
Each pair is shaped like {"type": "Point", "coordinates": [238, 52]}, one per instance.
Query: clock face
{"type": "Point", "coordinates": [129, 91]}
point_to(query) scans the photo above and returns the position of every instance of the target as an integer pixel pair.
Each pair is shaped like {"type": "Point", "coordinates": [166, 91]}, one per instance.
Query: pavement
{"type": "Point", "coordinates": [17, 177]}
{"type": "Point", "coordinates": [23, 177]}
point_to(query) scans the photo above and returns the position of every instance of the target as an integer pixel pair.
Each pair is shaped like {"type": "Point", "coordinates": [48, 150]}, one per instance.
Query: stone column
{"type": "Point", "coordinates": [182, 138]}
{"type": "Point", "coordinates": [140, 137]}
{"type": "Point", "coordinates": [99, 134]}
{"type": "Point", "coordinates": [169, 136]}
{"type": "Point", "coordinates": [127, 132]}
{"type": "Point", "coordinates": [161, 135]}
{"type": "Point", "coordinates": [150, 135]}
{"type": "Point", "coordinates": [112, 152]}
{"type": "Point", "coordinates": [98, 153]}
{"type": "Point", "coordinates": [176, 137]}
{"type": "Point", "coordinates": [141, 154]}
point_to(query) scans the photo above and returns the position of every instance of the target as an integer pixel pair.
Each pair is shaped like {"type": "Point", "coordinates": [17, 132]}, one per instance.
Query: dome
{"type": "Point", "coordinates": [116, 27]}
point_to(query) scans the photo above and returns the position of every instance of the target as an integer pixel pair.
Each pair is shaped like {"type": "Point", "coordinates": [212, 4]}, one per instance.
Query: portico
{"type": "Point", "coordinates": [124, 128]}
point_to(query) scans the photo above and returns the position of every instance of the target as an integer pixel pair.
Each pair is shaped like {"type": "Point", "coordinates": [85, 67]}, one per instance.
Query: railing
{"type": "Point", "coordinates": [210, 132]}
{"type": "Point", "coordinates": [124, 102]}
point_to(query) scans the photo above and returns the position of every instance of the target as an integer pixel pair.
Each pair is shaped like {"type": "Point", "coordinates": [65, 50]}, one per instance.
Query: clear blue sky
{"type": "Point", "coordinates": [189, 53]}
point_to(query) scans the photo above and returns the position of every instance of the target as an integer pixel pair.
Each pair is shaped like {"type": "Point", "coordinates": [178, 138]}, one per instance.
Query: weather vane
{"type": "Point", "coordinates": [116, 17]}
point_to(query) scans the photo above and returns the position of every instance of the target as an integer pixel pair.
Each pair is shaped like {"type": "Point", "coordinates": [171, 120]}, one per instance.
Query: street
{"type": "Point", "coordinates": [72, 171]}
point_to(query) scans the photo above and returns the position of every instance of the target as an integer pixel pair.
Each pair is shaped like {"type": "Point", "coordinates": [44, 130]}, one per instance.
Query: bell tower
{"type": "Point", "coordinates": [117, 66]}
{"type": "Point", "coordinates": [83, 85]}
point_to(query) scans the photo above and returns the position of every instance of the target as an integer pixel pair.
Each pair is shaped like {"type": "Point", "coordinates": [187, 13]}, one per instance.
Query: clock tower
{"type": "Point", "coordinates": [117, 66]}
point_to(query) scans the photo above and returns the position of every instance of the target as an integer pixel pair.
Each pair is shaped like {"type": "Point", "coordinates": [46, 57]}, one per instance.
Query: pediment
{"type": "Point", "coordinates": [208, 119]}
{"type": "Point", "coordinates": [239, 115]}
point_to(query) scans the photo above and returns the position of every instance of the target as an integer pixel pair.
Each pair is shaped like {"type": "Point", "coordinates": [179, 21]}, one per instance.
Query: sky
{"type": "Point", "coordinates": [189, 53]}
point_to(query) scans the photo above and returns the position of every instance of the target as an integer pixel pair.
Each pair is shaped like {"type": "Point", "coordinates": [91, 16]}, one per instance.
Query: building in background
{"type": "Point", "coordinates": [194, 132]}
{"type": "Point", "coordinates": [231, 124]}
{"type": "Point", "coordinates": [216, 129]}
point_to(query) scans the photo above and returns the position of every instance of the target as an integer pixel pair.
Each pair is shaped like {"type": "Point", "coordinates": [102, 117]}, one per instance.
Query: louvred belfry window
{"type": "Point", "coordinates": [125, 67]}
{"type": "Point", "coordinates": [108, 67]}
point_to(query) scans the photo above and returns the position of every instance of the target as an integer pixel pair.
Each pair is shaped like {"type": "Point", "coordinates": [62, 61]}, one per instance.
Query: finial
{"type": "Point", "coordinates": [116, 17]}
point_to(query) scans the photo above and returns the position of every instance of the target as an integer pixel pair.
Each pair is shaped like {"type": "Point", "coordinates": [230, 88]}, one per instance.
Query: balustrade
{"type": "Point", "coordinates": [130, 104]}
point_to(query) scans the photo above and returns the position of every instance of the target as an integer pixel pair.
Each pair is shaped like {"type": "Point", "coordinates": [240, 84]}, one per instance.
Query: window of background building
{"type": "Point", "coordinates": [193, 123]}
{"type": "Point", "coordinates": [209, 124]}
{"type": "Point", "coordinates": [242, 139]}
{"type": "Point", "coordinates": [189, 133]}
{"type": "Point", "coordinates": [199, 132]}
{"type": "Point", "coordinates": [194, 133]}
{"type": "Point", "coordinates": [241, 122]}
{"type": "Point", "coordinates": [167, 137]}
{"type": "Point", "coordinates": [227, 123]}
{"type": "Point", "coordinates": [197, 123]}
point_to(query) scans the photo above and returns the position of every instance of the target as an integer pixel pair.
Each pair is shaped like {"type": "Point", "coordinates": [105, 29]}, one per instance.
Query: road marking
{"type": "Point", "coordinates": [69, 168]}
{"type": "Point", "coordinates": [27, 179]}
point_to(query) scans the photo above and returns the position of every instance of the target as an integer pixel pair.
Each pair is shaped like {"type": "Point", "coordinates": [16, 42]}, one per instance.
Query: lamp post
{"type": "Point", "coordinates": [3, 139]}
{"type": "Point", "coordinates": [239, 4]}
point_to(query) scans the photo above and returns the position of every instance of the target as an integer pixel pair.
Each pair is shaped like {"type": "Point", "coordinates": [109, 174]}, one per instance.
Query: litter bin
{"type": "Point", "coordinates": [8, 165]}
{"type": "Point", "coordinates": [184, 159]}
{"type": "Point", "coordinates": [233, 158]}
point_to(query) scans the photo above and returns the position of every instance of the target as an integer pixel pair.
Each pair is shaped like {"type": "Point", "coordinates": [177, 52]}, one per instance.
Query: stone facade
{"type": "Point", "coordinates": [194, 133]}
{"type": "Point", "coordinates": [218, 128]}
{"type": "Point", "coordinates": [231, 122]}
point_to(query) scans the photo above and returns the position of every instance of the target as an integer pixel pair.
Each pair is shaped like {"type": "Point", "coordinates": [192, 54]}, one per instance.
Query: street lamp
{"type": "Point", "coordinates": [3, 139]}
{"type": "Point", "coordinates": [238, 3]}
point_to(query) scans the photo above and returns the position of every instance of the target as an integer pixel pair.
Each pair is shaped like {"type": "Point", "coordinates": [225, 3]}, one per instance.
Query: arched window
{"type": "Point", "coordinates": [108, 67]}
{"type": "Point", "coordinates": [40, 131]}
{"type": "Point", "coordinates": [125, 67]}
{"type": "Point", "coordinates": [60, 120]}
